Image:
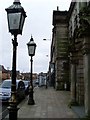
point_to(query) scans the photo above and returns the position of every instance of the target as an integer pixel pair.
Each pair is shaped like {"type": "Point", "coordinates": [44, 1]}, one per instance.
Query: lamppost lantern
{"type": "Point", "coordinates": [16, 17]}
{"type": "Point", "coordinates": [31, 47]}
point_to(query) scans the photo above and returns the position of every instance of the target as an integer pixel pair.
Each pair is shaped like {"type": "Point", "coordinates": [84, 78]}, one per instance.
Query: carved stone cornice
{"type": "Point", "coordinates": [72, 51]}
{"type": "Point", "coordinates": [78, 44]}
{"type": "Point", "coordinates": [73, 58]}
{"type": "Point", "coordinates": [86, 46]}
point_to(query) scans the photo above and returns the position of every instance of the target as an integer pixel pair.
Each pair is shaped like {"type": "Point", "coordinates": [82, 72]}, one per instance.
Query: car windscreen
{"type": "Point", "coordinates": [6, 84]}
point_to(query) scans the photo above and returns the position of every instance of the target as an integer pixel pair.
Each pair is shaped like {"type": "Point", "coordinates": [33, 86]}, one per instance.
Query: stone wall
{"type": "Point", "coordinates": [61, 50]}
{"type": "Point", "coordinates": [80, 81]}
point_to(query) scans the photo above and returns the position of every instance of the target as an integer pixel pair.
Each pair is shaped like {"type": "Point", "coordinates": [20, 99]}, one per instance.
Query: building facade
{"type": "Point", "coordinates": [79, 52]}
{"type": "Point", "coordinates": [70, 52]}
{"type": "Point", "coordinates": [59, 51]}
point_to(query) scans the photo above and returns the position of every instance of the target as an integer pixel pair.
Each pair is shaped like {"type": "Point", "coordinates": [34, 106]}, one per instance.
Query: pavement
{"type": "Point", "coordinates": [79, 110]}
{"type": "Point", "coordinates": [49, 103]}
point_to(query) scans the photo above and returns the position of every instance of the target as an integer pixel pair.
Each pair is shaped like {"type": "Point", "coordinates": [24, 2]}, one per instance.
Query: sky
{"type": "Point", "coordinates": [38, 23]}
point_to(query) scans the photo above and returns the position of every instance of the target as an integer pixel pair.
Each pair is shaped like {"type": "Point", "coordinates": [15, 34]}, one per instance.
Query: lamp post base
{"type": "Point", "coordinates": [13, 112]}
{"type": "Point", "coordinates": [31, 100]}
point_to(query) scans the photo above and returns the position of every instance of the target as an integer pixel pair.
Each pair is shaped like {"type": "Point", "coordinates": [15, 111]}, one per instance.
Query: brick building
{"type": "Point", "coordinates": [4, 74]}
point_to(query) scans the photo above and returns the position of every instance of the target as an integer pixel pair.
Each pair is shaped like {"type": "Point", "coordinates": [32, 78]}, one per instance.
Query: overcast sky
{"type": "Point", "coordinates": [39, 24]}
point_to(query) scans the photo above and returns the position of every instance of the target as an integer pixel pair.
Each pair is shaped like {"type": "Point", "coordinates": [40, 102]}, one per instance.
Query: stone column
{"type": "Point", "coordinates": [73, 83]}
{"type": "Point", "coordinates": [86, 57]}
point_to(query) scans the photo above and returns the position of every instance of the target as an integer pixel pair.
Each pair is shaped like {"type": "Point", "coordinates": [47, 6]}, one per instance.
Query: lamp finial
{"type": "Point", "coordinates": [16, 1]}
{"type": "Point", "coordinates": [31, 38]}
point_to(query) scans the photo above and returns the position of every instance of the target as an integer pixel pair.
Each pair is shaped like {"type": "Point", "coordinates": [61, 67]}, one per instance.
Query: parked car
{"type": "Point", "coordinates": [5, 90]}
{"type": "Point", "coordinates": [27, 83]}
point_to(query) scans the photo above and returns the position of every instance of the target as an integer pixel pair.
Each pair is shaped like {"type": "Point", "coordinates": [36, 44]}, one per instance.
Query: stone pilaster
{"type": "Point", "coordinates": [73, 79]}
{"type": "Point", "coordinates": [73, 83]}
{"type": "Point", "coordinates": [86, 57]}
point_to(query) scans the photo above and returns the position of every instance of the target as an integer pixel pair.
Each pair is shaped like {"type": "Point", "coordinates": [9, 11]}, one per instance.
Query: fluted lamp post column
{"type": "Point", "coordinates": [31, 52]}
{"type": "Point", "coordinates": [16, 17]}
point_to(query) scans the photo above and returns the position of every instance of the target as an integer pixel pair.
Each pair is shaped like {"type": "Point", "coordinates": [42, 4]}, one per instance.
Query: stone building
{"type": "Point", "coordinates": [59, 51]}
{"type": "Point", "coordinates": [79, 48]}
{"type": "Point", "coordinates": [70, 52]}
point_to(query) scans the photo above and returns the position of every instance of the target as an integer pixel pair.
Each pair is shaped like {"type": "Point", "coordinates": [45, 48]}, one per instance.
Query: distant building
{"type": "Point", "coordinates": [7, 74]}
{"type": "Point", "coordinates": [4, 74]}
{"type": "Point", "coordinates": [42, 78]}
{"type": "Point", "coordinates": [26, 76]}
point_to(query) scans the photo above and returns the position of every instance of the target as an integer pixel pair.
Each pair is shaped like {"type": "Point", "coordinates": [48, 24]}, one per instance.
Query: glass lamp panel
{"type": "Point", "coordinates": [22, 22]}
{"type": "Point", "coordinates": [31, 50]}
{"type": "Point", "coordinates": [14, 20]}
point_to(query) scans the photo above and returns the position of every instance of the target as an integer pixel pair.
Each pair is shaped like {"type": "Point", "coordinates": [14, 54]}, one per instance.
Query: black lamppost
{"type": "Point", "coordinates": [16, 17]}
{"type": "Point", "coordinates": [31, 52]}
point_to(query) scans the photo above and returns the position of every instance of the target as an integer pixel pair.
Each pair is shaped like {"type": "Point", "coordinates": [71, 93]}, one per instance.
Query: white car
{"type": "Point", "coordinates": [5, 90]}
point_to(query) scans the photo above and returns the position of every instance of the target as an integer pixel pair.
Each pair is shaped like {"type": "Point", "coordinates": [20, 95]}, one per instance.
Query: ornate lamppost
{"type": "Point", "coordinates": [31, 52]}
{"type": "Point", "coordinates": [16, 17]}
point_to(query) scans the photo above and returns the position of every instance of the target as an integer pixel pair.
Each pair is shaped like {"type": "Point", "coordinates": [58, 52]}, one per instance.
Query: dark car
{"type": "Point", "coordinates": [5, 90]}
